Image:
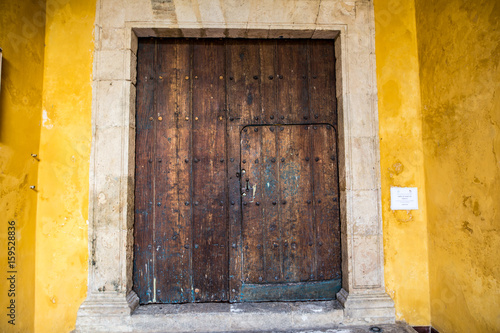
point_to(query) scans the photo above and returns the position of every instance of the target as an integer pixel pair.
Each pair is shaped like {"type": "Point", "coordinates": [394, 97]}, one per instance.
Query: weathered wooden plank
{"type": "Point", "coordinates": [183, 218]}
{"type": "Point", "coordinates": [251, 188]}
{"type": "Point", "coordinates": [244, 82]}
{"type": "Point", "coordinates": [243, 101]}
{"type": "Point", "coordinates": [209, 173]}
{"type": "Point", "coordinates": [293, 106]}
{"type": "Point", "coordinates": [234, 229]}
{"type": "Point", "coordinates": [294, 178]}
{"type": "Point", "coordinates": [322, 98]}
{"type": "Point", "coordinates": [166, 245]}
{"type": "Point", "coordinates": [269, 81]}
{"type": "Point", "coordinates": [144, 181]}
{"type": "Point", "coordinates": [327, 221]}
{"type": "Point", "coordinates": [172, 234]}
{"type": "Point", "coordinates": [304, 233]}
{"type": "Point", "coordinates": [271, 218]}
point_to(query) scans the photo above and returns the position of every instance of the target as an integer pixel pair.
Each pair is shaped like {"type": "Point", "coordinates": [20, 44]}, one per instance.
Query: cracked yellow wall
{"type": "Point", "coordinates": [61, 247]}
{"type": "Point", "coordinates": [401, 152]}
{"type": "Point", "coordinates": [459, 48]}
{"type": "Point", "coordinates": [22, 25]}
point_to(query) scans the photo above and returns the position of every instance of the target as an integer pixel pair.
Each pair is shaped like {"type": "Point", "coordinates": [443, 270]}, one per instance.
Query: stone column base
{"type": "Point", "coordinates": [107, 312]}
{"type": "Point", "coordinates": [372, 308]}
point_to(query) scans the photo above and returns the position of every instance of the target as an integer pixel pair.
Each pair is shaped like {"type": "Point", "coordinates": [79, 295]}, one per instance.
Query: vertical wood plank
{"type": "Point", "coordinates": [269, 81]}
{"type": "Point", "coordinates": [296, 217]}
{"type": "Point", "coordinates": [322, 92]}
{"type": "Point", "coordinates": [327, 220]}
{"type": "Point", "coordinates": [209, 173]}
{"type": "Point", "coordinates": [172, 233]}
{"type": "Point", "coordinates": [271, 205]}
{"type": "Point", "coordinates": [184, 161]}
{"type": "Point", "coordinates": [166, 245]}
{"type": "Point", "coordinates": [243, 102]}
{"type": "Point", "coordinates": [251, 188]}
{"type": "Point", "coordinates": [304, 234]}
{"type": "Point", "coordinates": [293, 92]}
{"type": "Point", "coordinates": [233, 121]}
{"type": "Point", "coordinates": [144, 209]}
{"type": "Point", "coordinates": [244, 96]}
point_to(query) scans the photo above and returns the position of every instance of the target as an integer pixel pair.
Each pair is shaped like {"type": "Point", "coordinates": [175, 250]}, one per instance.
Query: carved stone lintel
{"type": "Point", "coordinates": [367, 308]}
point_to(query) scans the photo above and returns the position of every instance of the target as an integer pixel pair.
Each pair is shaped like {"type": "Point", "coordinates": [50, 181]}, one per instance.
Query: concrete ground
{"type": "Point", "coordinates": [396, 328]}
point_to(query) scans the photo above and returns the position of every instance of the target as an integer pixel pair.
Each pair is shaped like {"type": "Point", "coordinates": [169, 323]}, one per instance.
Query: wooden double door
{"type": "Point", "coordinates": [236, 181]}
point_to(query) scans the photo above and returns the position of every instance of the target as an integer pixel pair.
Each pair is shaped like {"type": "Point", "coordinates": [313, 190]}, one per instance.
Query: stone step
{"type": "Point", "coordinates": [241, 317]}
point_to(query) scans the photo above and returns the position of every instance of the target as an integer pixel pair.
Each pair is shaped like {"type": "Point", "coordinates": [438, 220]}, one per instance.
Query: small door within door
{"type": "Point", "coordinates": [290, 230]}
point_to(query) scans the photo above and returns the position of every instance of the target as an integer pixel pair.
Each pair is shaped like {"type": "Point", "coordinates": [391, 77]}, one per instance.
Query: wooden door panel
{"type": "Point", "coordinates": [144, 171]}
{"type": "Point", "coordinates": [269, 184]}
{"type": "Point", "coordinates": [290, 222]}
{"type": "Point", "coordinates": [325, 179]}
{"type": "Point", "coordinates": [210, 115]}
{"type": "Point", "coordinates": [172, 272]}
{"type": "Point", "coordinates": [295, 189]}
{"type": "Point", "coordinates": [209, 173]}
{"type": "Point", "coordinates": [322, 91]}
{"type": "Point", "coordinates": [292, 89]}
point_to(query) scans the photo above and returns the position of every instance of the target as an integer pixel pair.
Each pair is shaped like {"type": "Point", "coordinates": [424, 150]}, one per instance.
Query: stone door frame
{"type": "Point", "coordinates": [119, 24]}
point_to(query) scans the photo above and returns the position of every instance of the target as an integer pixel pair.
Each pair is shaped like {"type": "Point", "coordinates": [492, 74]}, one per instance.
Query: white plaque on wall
{"type": "Point", "coordinates": [404, 198]}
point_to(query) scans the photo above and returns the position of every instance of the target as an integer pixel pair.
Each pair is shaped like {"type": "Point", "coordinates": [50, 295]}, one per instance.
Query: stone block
{"type": "Point", "coordinates": [112, 13]}
{"type": "Point", "coordinates": [185, 12]}
{"type": "Point", "coordinates": [336, 12]}
{"type": "Point", "coordinates": [111, 103]}
{"type": "Point", "coordinates": [139, 10]}
{"type": "Point", "coordinates": [363, 164]}
{"type": "Point", "coordinates": [106, 260]}
{"type": "Point", "coordinates": [113, 38]}
{"type": "Point", "coordinates": [304, 13]}
{"type": "Point", "coordinates": [211, 12]}
{"type": "Point", "coordinates": [365, 212]}
{"type": "Point", "coordinates": [374, 307]}
{"type": "Point", "coordinates": [244, 317]}
{"type": "Point", "coordinates": [236, 11]}
{"type": "Point", "coordinates": [109, 152]}
{"type": "Point", "coordinates": [116, 65]}
{"type": "Point", "coordinates": [367, 265]}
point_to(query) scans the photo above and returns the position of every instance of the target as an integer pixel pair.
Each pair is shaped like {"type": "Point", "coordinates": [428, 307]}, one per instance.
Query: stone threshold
{"type": "Point", "coordinates": [239, 317]}
{"type": "Point", "coordinates": [386, 328]}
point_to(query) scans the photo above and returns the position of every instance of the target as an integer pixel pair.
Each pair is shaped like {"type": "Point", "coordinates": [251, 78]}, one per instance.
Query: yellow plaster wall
{"type": "Point", "coordinates": [61, 247]}
{"type": "Point", "coordinates": [459, 51]}
{"type": "Point", "coordinates": [22, 25]}
{"type": "Point", "coordinates": [461, 144]}
{"type": "Point", "coordinates": [401, 150]}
